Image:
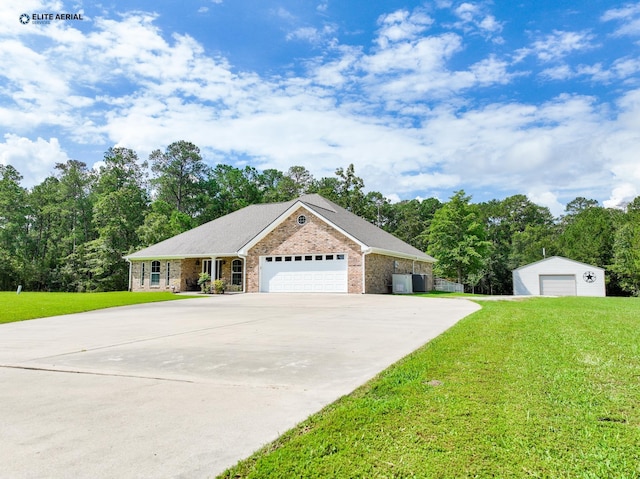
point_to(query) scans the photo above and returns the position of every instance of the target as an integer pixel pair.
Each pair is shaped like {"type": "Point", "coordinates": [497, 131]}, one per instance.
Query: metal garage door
{"type": "Point", "coordinates": [558, 285]}
{"type": "Point", "coordinates": [312, 273]}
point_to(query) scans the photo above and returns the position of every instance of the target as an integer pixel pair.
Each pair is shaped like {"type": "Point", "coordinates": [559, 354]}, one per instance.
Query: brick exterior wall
{"type": "Point", "coordinates": [183, 274]}
{"type": "Point", "coordinates": [380, 268]}
{"type": "Point", "coordinates": [175, 276]}
{"type": "Point", "coordinates": [315, 236]}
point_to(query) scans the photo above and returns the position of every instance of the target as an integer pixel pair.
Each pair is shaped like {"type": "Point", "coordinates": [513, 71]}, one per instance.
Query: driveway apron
{"type": "Point", "coordinates": [187, 388]}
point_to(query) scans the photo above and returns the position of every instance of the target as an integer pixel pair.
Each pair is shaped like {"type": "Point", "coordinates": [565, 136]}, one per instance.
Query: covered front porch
{"type": "Point", "coordinates": [230, 269]}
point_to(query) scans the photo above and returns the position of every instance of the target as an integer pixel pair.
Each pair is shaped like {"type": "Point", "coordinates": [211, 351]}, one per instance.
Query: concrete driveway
{"type": "Point", "coordinates": [187, 388]}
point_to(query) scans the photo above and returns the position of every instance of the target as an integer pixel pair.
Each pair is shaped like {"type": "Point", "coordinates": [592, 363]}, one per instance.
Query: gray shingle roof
{"type": "Point", "coordinates": [227, 235]}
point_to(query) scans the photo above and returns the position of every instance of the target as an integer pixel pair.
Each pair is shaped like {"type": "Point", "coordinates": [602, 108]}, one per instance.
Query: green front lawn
{"type": "Point", "coordinates": [545, 388]}
{"type": "Point", "coordinates": [18, 307]}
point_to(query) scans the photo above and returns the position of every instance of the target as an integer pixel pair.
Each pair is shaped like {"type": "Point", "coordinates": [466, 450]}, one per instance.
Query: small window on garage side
{"type": "Point", "coordinates": [339, 256]}
{"type": "Point", "coordinates": [155, 273]}
{"type": "Point", "coordinates": [318, 257]}
{"type": "Point", "coordinates": [297, 258]}
{"type": "Point", "coordinates": [287, 258]}
{"type": "Point", "coordinates": [278, 258]}
{"type": "Point", "coordinates": [329, 257]}
{"type": "Point", "coordinates": [268, 259]}
{"type": "Point", "coordinates": [302, 219]}
{"type": "Point", "coordinates": [308, 258]}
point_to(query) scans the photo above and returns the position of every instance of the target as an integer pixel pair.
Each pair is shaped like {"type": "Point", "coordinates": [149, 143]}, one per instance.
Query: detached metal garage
{"type": "Point", "coordinates": [558, 276]}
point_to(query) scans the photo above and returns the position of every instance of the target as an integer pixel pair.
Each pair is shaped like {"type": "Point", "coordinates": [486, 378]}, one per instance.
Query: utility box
{"type": "Point", "coordinates": [402, 284]}
{"type": "Point", "coordinates": [419, 283]}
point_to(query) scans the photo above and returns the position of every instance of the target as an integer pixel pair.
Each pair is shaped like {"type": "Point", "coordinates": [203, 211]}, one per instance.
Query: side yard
{"type": "Point", "coordinates": [547, 387]}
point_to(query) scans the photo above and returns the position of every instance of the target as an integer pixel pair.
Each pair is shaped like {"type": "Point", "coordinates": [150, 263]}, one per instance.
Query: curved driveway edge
{"type": "Point", "coordinates": [187, 388]}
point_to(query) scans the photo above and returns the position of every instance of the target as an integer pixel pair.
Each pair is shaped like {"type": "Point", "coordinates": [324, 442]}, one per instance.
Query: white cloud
{"type": "Point", "coordinates": [559, 72]}
{"type": "Point", "coordinates": [398, 111]}
{"type": "Point", "coordinates": [473, 18]}
{"type": "Point", "coordinates": [402, 25]}
{"type": "Point", "coordinates": [621, 196]}
{"type": "Point", "coordinates": [35, 160]}
{"type": "Point", "coordinates": [547, 198]}
{"type": "Point", "coordinates": [558, 45]}
{"type": "Point", "coordinates": [629, 18]}
{"type": "Point", "coordinates": [312, 34]}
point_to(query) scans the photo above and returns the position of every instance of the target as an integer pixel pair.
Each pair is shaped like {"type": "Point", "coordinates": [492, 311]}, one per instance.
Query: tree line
{"type": "Point", "coordinates": [71, 231]}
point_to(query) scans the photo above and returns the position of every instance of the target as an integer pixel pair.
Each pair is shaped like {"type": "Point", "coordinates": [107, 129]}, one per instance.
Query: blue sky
{"type": "Point", "coordinates": [424, 98]}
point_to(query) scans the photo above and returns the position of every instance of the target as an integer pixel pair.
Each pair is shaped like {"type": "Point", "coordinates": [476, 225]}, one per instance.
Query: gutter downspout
{"type": "Point", "coordinates": [244, 271]}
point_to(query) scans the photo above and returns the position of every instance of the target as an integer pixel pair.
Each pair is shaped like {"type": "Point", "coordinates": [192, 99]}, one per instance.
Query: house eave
{"type": "Point", "coordinates": [397, 254]}
{"type": "Point", "coordinates": [182, 256]}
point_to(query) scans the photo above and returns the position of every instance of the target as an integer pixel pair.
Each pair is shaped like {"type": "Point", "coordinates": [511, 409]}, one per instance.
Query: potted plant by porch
{"type": "Point", "coordinates": [219, 286]}
{"type": "Point", "coordinates": [203, 280]}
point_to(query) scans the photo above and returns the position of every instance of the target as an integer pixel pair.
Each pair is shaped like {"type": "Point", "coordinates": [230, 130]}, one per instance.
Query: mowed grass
{"type": "Point", "coordinates": [27, 305]}
{"type": "Point", "coordinates": [544, 388]}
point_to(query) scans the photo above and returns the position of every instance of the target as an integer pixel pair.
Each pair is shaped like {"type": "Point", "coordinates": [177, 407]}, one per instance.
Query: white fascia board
{"type": "Point", "coordinates": [280, 219]}
{"type": "Point", "coordinates": [397, 254]}
{"type": "Point", "coordinates": [561, 258]}
{"type": "Point", "coordinates": [182, 256]}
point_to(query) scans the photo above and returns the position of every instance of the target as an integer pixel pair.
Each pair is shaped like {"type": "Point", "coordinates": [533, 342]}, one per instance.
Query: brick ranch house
{"type": "Point", "coordinates": [305, 245]}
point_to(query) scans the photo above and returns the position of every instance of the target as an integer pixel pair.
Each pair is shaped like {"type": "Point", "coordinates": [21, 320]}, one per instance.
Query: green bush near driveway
{"type": "Point", "coordinates": [544, 387]}
{"type": "Point", "coordinates": [27, 305]}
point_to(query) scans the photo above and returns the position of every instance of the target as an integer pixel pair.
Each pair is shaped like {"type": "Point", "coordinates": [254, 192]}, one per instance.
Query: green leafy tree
{"type": "Point", "coordinates": [328, 187]}
{"type": "Point", "coordinates": [229, 189]}
{"type": "Point", "coordinates": [120, 204]}
{"type": "Point", "coordinates": [300, 180]}
{"type": "Point", "coordinates": [350, 190]}
{"type": "Point", "coordinates": [75, 212]}
{"type": "Point", "coordinates": [13, 228]}
{"type": "Point", "coordinates": [505, 221]}
{"type": "Point", "coordinates": [578, 205]}
{"type": "Point", "coordinates": [162, 221]}
{"type": "Point", "coordinates": [626, 250]}
{"type": "Point", "coordinates": [533, 243]}
{"type": "Point", "coordinates": [45, 235]}
{"type": "Point", "coordinates": [589, 235]}
{"type": "Point", "coordinates": [179, 175]}
{"type": "Point", "coordinates": [278, 186]}
{"type": "Point", "coordinates": [457, 239]}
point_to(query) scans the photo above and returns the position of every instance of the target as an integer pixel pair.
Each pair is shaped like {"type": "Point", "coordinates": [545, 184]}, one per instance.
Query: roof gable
{"type": "Point", "coordinates": [556, 259]}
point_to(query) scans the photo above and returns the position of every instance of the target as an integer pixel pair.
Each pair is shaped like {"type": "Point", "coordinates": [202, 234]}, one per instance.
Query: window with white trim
{"type": "Point", "coordinates": [168, 272]}
{"type": "Point", "coordinates": [236, 272]}
{"type": "Point", "coordinates": [142, 275]}
{"type": "Point", "coordinates": [155, 273]}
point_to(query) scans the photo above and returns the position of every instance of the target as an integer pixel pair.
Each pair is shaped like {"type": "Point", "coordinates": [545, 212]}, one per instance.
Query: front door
{"type": "Point", "coordinates": [217, 273]}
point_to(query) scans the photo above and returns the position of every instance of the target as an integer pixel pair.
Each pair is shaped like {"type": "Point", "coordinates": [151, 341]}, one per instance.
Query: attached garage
{"type": "Point", "coordinates": [304, 273]}
{"type": "Point", "coordinates": [558, 276]}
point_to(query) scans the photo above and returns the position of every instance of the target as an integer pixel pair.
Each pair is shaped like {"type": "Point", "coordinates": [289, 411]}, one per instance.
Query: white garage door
{"type": "Point", "coordinates": [311, 273]}
{"type": "Point", "coordinates": [558, 285]}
